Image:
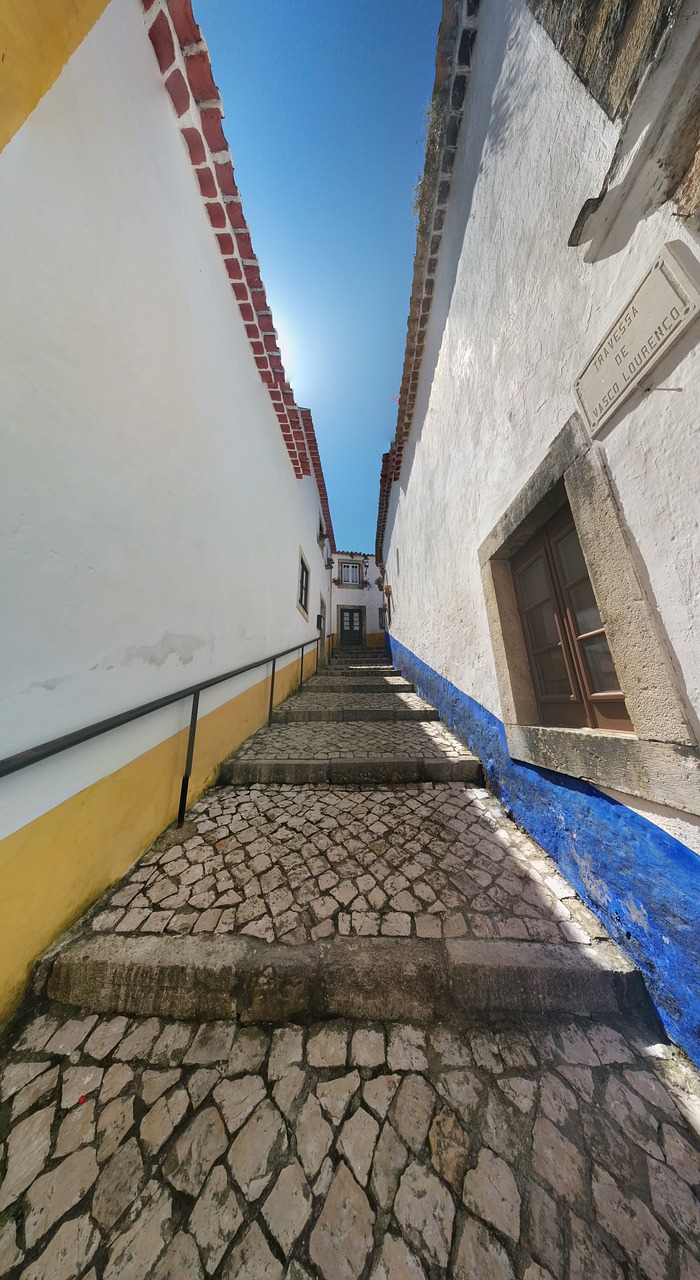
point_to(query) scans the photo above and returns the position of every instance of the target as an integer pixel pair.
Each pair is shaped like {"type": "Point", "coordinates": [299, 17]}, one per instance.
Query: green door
{"type": "Point", "coordinates": [350, 626]}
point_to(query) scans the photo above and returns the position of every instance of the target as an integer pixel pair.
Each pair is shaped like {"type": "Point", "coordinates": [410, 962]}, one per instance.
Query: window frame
{"type": "Point", "coordinates": [349, 565]}
{"type": "Point", "coordinates": [303, 585]}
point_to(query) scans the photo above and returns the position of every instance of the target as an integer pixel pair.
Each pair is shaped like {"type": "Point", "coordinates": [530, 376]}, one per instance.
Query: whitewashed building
{"type": "Point", "coordinates": [164, 514]}
{"type": "Point", "coordinates": [359, 612]}
{"type": "Point", "coordinates": [539, 517]}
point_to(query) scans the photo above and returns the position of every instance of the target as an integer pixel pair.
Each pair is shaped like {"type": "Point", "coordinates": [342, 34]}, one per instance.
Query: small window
{"type": "Point", "coordinates": [350, 574]}
{"type": "Point", "coordinates": [573, 674]}
{"type": "Point", "coordinates": [303, 597]}
{"type": "Point", "coordinates": [382, 619]}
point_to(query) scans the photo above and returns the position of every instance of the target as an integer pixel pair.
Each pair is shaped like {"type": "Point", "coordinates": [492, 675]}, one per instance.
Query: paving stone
{"type": "Point", "coordinates": [180, 1261]}
{"type": "Point", "coordinates": [212, 1043]}
{"type": "Point", "coordinates": [19, 1074]}
{"type": "Point", "coordinates": [413, 1111]}
{"type": "Point", "coordinates": [689, 1267]}
{"type": "Point", "coordinates": [633, 1117]}
{"type": "Point", "coordinates": [462, 1089]}
{"type": "Point", "coordinates": [646, 1084]}
{"type": "Point", "coordinates": [450, 1050]}
{"type": "Point", "coordinates": [520, 1091]}
{"type": "Point", "coordinates": [556, 1100]}
{"type": "Point", "coordinates": [425, 1212]}
{"type": "Point", "coordinates": [155, 1083]}
{"type": "Point", "coordinates": [70, 1036]}
{"type": "Point", "coordinates": [201, 1083]}
{"type": "Point", "coordinates": [136, 1250]}
{"type": "Point", "coordinates": [367, 1048]}
{"type": "Point", "coordinates": [609, 1045]}
{"type": "Point", "coordinates": [336, 1095]}
{"type": "Point", "coordinates": [259, 1145]}
{"type": "Point", "coordinates": [51, 1196]}
{"type": "Point", "coordinates": [252, 1259]}
{"type": "Point", "coordinates": [37, 1033]}
{"type": "Point", "coordinates": [557, 1162]}
{"type": "Point", "coordinates": [327, 1046]}
{"type": "Point", "coordinates": [286, 1051]}
{"type": "Point", "coordinates": [588, 1256]}
{"type": "Point", "coordinates": [188, 1162]}
{"type": "Point", "coordinates": [114, 1123]}
{"type": "Point", "coordinates": [674, 1202]}
{"type": "Point", "coordinates": [67, 1254]}
{"type": "Point", "coordinates": [390, 1159]}
{"type": "Point", "coordinates": [27, 1149]}
{"type": "Point", "coordinates": [480, 1254]}
{"type": "Point", "coordinates": [216, 1218]}
{"type": "Point", "coordinates": [406, 1050]}
{"type": "Point", "coordinates": [77, 1128]}
{"type": "Point", "coordinates": [630, 1222]}
{"type": "Point", "coordinates": [139, 1042]}
{"type": "Point", "coordinates": [491, 1192]}
{"type": "Point", "coordinates": [287, 1091]}
{"type": "Point", "coordinates": [237, 1099]}
{"type": "Point", "coordinates": [34, 1092]}
{"type": "Point", "coordinates": [288, 1207]}
{"type": "Point", "coordinates": [105, 1037]}
{"type": "Point", "coordinates": [79, 1082]}
{"type": "Point", "coordinates": [449, 1148]}
{"type": "Point", "coordinates": [163, 1118]}
{"type": "Point", "coordinates": [313, 1136]}
{"type": "Point", "coordinates": [546, 1233]}
{"type": "Point", "coordinates": [357, 1142]}
{"type": "Point", "coordinates": [378, 1093]}
{"type": "Point", "coordinates": [681, 1156]}
{"type": "Point", "coordinates": [342, 1238]}
{"type": "Point", "coordinates": [116, 1080]}
{"type": "Point", "coordinates": [10, 1255]}
{"type": "Point", "coordinates": [581, 1078]}
{"type": "Point", "coordinates": [396, 1262]}
{"type": "Point", "coordinates": [249, 1051]}
{"type": "Point", "coordinates": [118, 1184]}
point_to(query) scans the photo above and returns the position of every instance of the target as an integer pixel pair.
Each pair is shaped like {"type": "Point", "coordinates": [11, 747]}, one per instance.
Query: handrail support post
{"type": "Point", "coordinates": [188, 764]}
{"type": "Point", "coordinates": [272, 691]}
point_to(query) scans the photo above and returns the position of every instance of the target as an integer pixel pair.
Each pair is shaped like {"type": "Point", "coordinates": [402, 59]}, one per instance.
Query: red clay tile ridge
{"type": "Point", "coordinates": [185, 66]}
{"type": "Point", "coordinates": [453, 61]}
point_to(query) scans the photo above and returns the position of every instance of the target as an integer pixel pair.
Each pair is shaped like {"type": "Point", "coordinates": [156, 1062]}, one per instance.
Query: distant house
{"type": "Point", "coordinates": [359, 615]}
{"type": "Point", "coordinates": [538, 515]}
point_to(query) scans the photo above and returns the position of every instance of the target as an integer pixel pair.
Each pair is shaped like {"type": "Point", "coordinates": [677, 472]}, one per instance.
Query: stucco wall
{"type": "Point", "coordinates": [347, 597]}
{"type": "Point", "coordinates": [516, 315]}
{"type": "Point", "coordinates": [150, 518]}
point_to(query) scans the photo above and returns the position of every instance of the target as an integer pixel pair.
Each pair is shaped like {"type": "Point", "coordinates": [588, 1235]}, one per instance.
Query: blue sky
{"type": "Point", "coordinates": [325, 107]}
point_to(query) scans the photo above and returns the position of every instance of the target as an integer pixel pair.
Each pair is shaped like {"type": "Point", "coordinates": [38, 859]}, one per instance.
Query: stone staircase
{"type": "Point", "coordinates": [349, 865]}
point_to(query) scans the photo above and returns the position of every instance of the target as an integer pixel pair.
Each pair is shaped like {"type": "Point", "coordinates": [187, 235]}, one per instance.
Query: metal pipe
{"type": "Point", "coordinates": [301, 667]}
{"type": "Point", "coordinates": [272, 691]}
{"type": "Point", "coordinates": [188, 763]}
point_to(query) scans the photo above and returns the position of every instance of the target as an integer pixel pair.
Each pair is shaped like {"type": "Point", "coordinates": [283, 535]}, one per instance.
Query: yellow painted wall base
{"type": "Point", "coordinates": [376, 640]}
{"type": "Point", "coordinates": [37, 37]}
{"type": "Point", "coordinates": [56, 867]}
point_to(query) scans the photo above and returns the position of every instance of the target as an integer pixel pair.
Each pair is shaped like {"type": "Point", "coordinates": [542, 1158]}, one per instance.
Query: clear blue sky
{"type": "Point", "coordinates": [325, 106]}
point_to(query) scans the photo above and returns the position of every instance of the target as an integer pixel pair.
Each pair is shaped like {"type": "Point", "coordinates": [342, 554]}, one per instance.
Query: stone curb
{"type": "Point", "coordinates": [246, 773]}
{"type": "Point", "coordinates": [393, 979]}
{"type": "Point", "coordinates": [353, 684]}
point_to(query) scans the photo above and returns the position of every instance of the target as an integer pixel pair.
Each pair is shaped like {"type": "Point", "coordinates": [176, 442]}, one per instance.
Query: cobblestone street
{"type": "Point", "coordinates": [514, 1141]}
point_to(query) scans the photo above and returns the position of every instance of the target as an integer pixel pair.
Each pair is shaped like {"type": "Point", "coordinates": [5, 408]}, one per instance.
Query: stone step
{"type": "Point", "coordinates": [312, 705]}
{"type": "Point", "coordinates": [210, 978]}
{"type": "Point", "coordinates": [359, 684]}
{"type": "Point", "coordinates": [372, 669]}
{"type": "Point", "coordinates": [358, 753]}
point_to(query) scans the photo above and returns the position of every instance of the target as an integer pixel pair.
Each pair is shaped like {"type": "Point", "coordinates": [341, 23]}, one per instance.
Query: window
{"type": "Point", "coordinates": [382, 619]}
{"type": "Point", "coordinates": [350, 574]}
{"type": "Point", "coordinates": [573, 674]}
{"type": "Point", "coordinates": [303, 596]}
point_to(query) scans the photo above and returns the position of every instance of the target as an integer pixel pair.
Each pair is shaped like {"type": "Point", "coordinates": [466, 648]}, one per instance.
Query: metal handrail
{"type": "Point", "coordinates": [22, 759]}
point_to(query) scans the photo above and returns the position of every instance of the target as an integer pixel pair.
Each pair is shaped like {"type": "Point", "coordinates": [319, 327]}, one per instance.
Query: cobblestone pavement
{"type": "Point", "coordinates": [137, 1148]}
{"type": "Point", "coordinates": [376, 741]}
{"type": "Point", "coordinates": [313, 700]}
{"type": "Point", "coordinates": [300, 863]}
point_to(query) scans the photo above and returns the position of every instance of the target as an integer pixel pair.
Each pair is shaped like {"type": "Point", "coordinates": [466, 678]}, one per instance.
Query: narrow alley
{"type": "Point", "coordinates": [301, 1039]}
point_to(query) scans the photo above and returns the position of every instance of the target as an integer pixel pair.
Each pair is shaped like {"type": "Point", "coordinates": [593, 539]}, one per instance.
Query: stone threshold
{"type": "Point", "coordinates": [341, 772]}
{"type": "Point", "coordinates": [211, 978]}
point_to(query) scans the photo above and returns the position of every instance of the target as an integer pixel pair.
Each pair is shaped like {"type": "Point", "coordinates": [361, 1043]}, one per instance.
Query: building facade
{"type": "Point", "coordinates": [165, 518]}
{"type": "Point", "coordinates": [359, 612]}
{"type": "Point", "coordinates": [538, 516]}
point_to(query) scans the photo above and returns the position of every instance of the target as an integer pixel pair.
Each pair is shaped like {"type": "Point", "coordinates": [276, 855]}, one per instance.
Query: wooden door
{"type": "Point", "coordinates": [351, 626]}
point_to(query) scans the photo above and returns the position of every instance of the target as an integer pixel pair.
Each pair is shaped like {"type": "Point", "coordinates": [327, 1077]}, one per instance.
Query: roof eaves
{"type": "Point", "coordinates": [453, 62]}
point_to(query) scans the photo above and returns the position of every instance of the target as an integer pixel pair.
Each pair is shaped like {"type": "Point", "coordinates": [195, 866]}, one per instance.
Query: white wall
{"type": "Point", "coordinates": [150, 517]}
{"type": "Point", "coordinates": [517, 313]}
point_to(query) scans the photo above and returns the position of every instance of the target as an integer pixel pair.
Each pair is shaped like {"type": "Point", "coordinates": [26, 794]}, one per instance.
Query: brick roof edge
{"type": "Point", "coordinates": [185, 68]}
{"type": "Point", "coordinates": [453, 61]}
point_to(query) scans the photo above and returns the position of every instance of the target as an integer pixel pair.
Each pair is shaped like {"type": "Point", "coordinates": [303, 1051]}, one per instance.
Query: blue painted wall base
{"type": "Point", "coordinates": [640, 882]}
